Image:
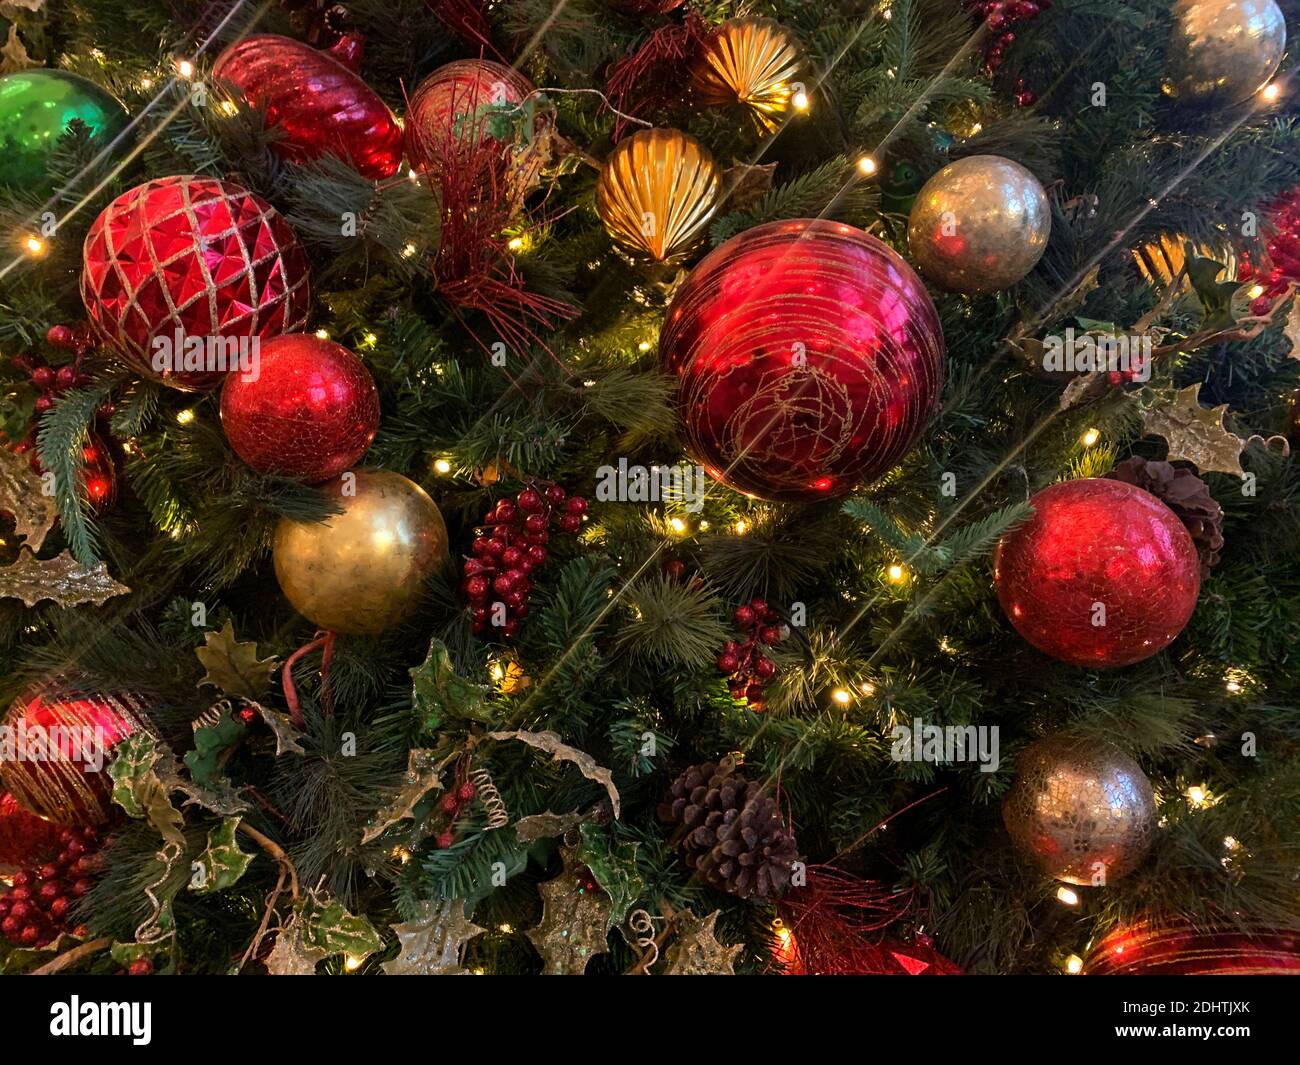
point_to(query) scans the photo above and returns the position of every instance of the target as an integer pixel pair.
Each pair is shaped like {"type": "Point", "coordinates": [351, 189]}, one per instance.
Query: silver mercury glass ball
{"type": "Point", "coordinates": [979, 225]}
{"type": "Point", "coordinates": [1223, 49]}
{"type": "Point", "coordinates": [1082, 810]}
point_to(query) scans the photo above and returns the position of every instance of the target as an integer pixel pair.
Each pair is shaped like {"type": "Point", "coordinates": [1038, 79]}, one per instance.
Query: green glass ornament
{"type": "Point", "coordinates": [36, 107]}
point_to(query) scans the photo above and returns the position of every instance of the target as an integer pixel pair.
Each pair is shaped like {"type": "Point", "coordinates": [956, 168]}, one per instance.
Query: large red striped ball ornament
{"type": "Point", "coordinates": [808, 358]}
{"type": "Point", "coordinates": [191, 258]}
{"type": "Point", "coordinates": [1178, 948]}
{"type": "Point", "coordinates": [1103, 575]}
{"type": "Point", "coordinates": [455, 105]}
{"type": "Point", "coordinates": [319, 105]}
{"type": "Point", "coordinates": [58, 748]}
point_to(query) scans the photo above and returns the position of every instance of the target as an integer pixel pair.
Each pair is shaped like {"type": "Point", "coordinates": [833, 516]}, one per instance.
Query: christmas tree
{"type": "Point", "coordinates": [649, 486]}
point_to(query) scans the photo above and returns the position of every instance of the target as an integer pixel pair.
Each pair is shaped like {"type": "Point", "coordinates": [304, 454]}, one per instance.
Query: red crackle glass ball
{"type": "Point", "coordinates": [310, 410]}
{"type": "Point", "coordinates": [320, 106]}
{"type": "Point", "coordinates": [1280, 264]}
{"type": "Point", "coordinates": [179, 273]}
{"type": "Point", "coordinates": [454, 104]}
{"type": "Point", "coordinates": [1103, 575]}
{"type": "Point", "coordinates": [808, 357]}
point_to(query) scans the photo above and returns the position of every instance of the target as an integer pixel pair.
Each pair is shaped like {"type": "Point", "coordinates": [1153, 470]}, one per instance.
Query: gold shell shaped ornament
{"type": "Point", "coordinates": [656, 194]}
{"type": "Point", "coordinates": [1163, 259]}
{"type": "Point", "coordinates": [755, 62]}
{"type": "Point", "coordinates": [362, 571]}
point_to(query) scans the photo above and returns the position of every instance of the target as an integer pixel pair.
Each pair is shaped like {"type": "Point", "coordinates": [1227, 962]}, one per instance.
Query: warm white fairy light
{"type": "Point", "coordinates": [442, 466]}
{"type": "Point", "coordinates": [1074, 965]}
{"type": "Point", "coordinates": [896, 573]}
{"type": "Point", "coordinates": [842, 696]}
{"type": "Point", "coordinates": [677, 525]}
{"type": "Point", "coordinates": [742, 527]}
{"type": "Point", "coordinates": [408, 251]}
{"type": "Point", "coordinates": [322, 334]}
{"type": "Point", "coordinates": [644, 346]}
{"type": "Point", "coordinates": [867, 165]}
{"type": "Point", "coordinates": [1067, 897]}
{"type": "Point", "coordinates": [1090, 437]}
{"type": "Point", "coordinates": [1271, 92]}
{"type": "Point", "coordinates": [800, 101]}
{"type": "Point", "coordinates": [185, 68]}
{"type": "Point", "coordinates": [33, 245]}
{"type": "Point", "coordinates": [184, 417]}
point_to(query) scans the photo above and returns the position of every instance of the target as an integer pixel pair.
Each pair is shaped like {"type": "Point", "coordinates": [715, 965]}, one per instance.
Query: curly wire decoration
{"type": "Point", "coordinates": [498, 817]}
{"type": "Point", "coordinates": [642, 927]}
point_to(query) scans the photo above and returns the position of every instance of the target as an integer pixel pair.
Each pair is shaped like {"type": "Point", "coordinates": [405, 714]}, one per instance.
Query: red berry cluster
{"type": "Point", "coordinates": [35, 911]}
{"type": "Point", "coordinates": [744, 663]}
{"type": "Point", "coordinates": [1281, 266]}
{"type": "Point", "coordinates": [451, 805]}
{"type": "Point", "coordinates": [1001, 15]}
{"type": "Point", "coordinates": [510, 545]}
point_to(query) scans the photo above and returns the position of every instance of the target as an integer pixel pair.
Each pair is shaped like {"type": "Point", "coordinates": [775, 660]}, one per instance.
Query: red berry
{"type": "Point", "coordinates": [446, 839]}
{"type": "Point", "coordinates": [466, 792]}
{"type": "Point", "coordinates": [140, 967]}
{"type": "Point", "coordinates": [555, 494]}
{"type": "Point", "coordinates": [570, 523]}
{"type": "Point", "coordinates": [576, 505]}
{"type": "Point", "coordinates": [530, 500]}
{"type": "Point", "coordinates": [44, 378]}
{"type": "Point", "coordinates": [765, 667]}
{"type": "Point", "coordinates": [476, 588]}
{"type": "Point", "coordinates": [511, 557]}
{"type": "Point", "coordinates": [744, 616]}
{"type": "Point", "coordinates": [676, 569]}
{"type": "Point", "coordinates": [536, 554]}
{"type": "Point", "coordinates": [758, 606]}
{"type": "Point", "coordinates": [472, 567]}
{"type": "Point", "coordinates": [44, 402]}
{"type": "Point", "coordinates": [504, 584]}
{"type": "Point", "coordinates": [728, 663]}
{"type": "Point", "coordinates": [22, 910]}
{"type": "Point", "coordinates": [506, 511]}
{"type": "Point", "coordinates": [106, 409]}
{"type": "Point", "coordinates": [754, 692]}
{"type": "Point", "coordinates": [66, 377]}
{"type": "Point", "coordinates": [770, 634]}
{"type": "Point", "coordinates": [510, 628]}
{"type": "Point", "coordinates": [81, 887]}
{"type": "Point", "coordinates": [59, 907]}
{"type": "Point", "coordinates": [74, 848]}
{"type": "Point", "coordinates": [60, 336]}
{"type": "Point", "coordinates": [30, 934]}
{"type": "Point", "coordinates": [535, 523]}
{"type": "Point", "coordinates": [10, 926]}
{"type": "Point", "coordinates": [49, 871]}
{"type": "Point", "coordinates": [450, 804]}
{"type": "Point", "coordinates": [521, 611]}
{"type": "Point", "coordinates": [50, 890]}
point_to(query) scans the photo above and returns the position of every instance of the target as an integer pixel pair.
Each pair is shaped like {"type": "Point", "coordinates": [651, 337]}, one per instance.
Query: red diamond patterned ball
{"type": "Point", "coordinates": [808, 358]}
{"type": "Point", "coordinates": [1103, 575]}
{"type": "Point", "coordinates": [191, 257]}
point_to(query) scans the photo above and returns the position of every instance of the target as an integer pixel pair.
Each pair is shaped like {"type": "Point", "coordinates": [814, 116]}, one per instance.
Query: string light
{"type": "Point", "coordinates": [516, 243]}
{"type": "Point", "coordinates": [643, 347]}
{"type": "Point", "coordinates": [867, 165]}
{"type": "Point", "coordinates": [1074, 965]}
{"type": "Point", "coordinates": [677, 525]}
{"type": "Point", "coordinates": [322, 334]}
{"type": "Point", "coordinates": [1067, 897]}
{"type": "Point", "coordinates": [370, 340]}
{"type": "Point", "coordinates": [1255, 291]}
{"type": "Point", "coordinates": [800, 101]}
{"type": "Point", "coordinates": [33, 245]}
{"type": "Point", "coordinates": [897, 573]}
{"type": "Point", "coordinates": [1090, 438]}
{"type": "Point", "coordinates": [842, 696]}
{"type": "Point", "coordinates": [146, 83]}
{"type": "Point", "coordinates": [409, 251]}
{"type": "Point", "coordinates": [185, 68]}
{"type": "Point", "coordinates": [1271, 92]}
{"type": "Point", "coordinates": [184, 417]}
{"type": "Point", "coordinates": [352, 964]}
{"type": "Point", "coordinates": [229, 108]}
{"type": "Point", "coordinates": [442, 466]}
{"type": "Point", "coordinates": [742, 527]}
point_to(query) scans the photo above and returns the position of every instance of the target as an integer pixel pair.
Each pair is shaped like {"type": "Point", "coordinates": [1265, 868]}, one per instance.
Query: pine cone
{"type": "Point", "coordinates": [730, 831]}
{"type": "Point", "coordinates": [1183, 492]}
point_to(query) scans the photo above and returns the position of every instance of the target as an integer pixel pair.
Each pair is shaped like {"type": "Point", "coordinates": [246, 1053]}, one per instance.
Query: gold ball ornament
{"type": "Point", "coordinates": [362, 571]}
{"type": "Point", "coordinates": [656, 193]}
{"type": "Point", "coordinates": [979, 225]}
{"type": "Point", "coordinates": [1082, 810]}
{"type": "Point", "coordinates": [1223, 49]}
{"type": "Point", "coordinates": [754, 62]}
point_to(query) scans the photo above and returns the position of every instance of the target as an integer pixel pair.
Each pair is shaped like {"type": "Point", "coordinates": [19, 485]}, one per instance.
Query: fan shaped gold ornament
{"type": "Point", "coordinates": [656, 194]}
{"type": "Point", "coordinates": [1223, 50]}
{"type": "Point", "coordinates": [1163, 259]}
{"type": "Point", "coordinates": [1083, 811]}
{"type": "Point", "coordinates": [755, 62]}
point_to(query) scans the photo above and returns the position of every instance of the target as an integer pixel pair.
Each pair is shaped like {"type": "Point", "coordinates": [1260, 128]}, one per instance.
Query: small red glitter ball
{"type": "Point", "coordinates": [1103, 574]}
{"type": "Point", "coordinates": [194, 264]}
{"type": "Point", "coordinates": [455, 103]}
{"type": "Point", "coordinates": [320, 106]}
{"type": "Point", "coordinates": [1281, 263]}
{"type": "Point", "coordinates": [310, 412]}
{"type": "Point", "coordinates": [808, 357]}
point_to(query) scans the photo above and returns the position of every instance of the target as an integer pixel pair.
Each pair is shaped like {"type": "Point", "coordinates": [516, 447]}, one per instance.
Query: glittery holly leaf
{"type": "Point", "coordinates": [1196, 434]}
{"type": "Point", "coordinates": [552, 744]}
{"type": "Point", "coordinates": [281, 726]}
{"type": "Point", "coordinates": [233, 666]}
{"type": "Point", "coordinates": [1292, 328]}
{"type": "Point", "coordinates": [423, 775]}
{"type": "Point", "coordinates": [61, 578]}
{"type": "Point", "coordinates": [320, 928]}
{"type": "Point", "coordinates": [613, 865]}
{"type": "Point", "coordinates": [438, 693]}
{"type": "Point", "coordinates": [291, 956]}
{"type": "Point", "coordinates": [431, 944]}
{"type": "Point", "coordinates": [22, 495]}
{"type": "Point", "coordinates": [545, 826]}
{"type": "Point", "coordinates": [574, 922]}
{"type": "Point", "coordinates": [696, 951]}
{"type": "Point", "coordinates": [222, 863]}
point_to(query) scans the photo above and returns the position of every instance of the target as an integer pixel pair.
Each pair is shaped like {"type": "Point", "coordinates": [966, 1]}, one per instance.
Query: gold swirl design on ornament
{"type": "Point", "coordinates": [657, 192]}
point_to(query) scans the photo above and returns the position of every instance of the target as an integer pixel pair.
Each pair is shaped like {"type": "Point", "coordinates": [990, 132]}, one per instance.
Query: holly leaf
{"type": "Point", "coordinates": [233, 666]}
{"type": "Point", "coordinates": [423, 775]}
{"type": "Point", "coordinates": [22, 495]}
{"type": "Point", "coordinates": [1215, 295]}
{"type": "Point", "coordinates": [211, 742]}
{"type": "Point", "coordinates": [545, 826]}
{"type": "Point", "coordinates": [62, 579]}
{"type": "Point", "coordinates": [432, 943]}
{"type": "Point", "coordinates": [291, 956]}
{"type": "Point", "coordinates": [613, 864]}
{"type": "Point", "coordinates": [222, 863]}
{"type": "Point", "coordinates": [561, 752]}
{"type": "Point", "coordinates": [281, 725]}
{"type": "Point", "coordinates": [439, 694]}
{"type": "Point", "coordinates": [697, 951]}
{"type": "Point", "coordinates": [138, 789]}
{"type": "Point", "coordinates": [1196, 434]}
{"type": "Point", "coordinates": [330, 928]}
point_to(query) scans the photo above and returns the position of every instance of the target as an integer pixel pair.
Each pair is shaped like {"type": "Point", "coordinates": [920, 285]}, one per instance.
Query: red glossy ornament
{"type": "Point", "coordinates": [61, 747]}
{"type": "Point", "coordinates": [1281, 264]}
{"type": "Point", "coordinates": [1103, 574]}
{"type": "Point", "coordinates": [1178, 948]}
{"type": "Point", "coordinates": [455, 103]}
{"type": "Point", "coordinates": [191, 257]}
{"type": "Point", "coordinates": [808, 357]}
{"type": "Point", "coordinates": [311, 411]}
{"type": "Point", "coordinates": [24, 838]}
{"type": "Point", "coordinates": [320, 105]}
